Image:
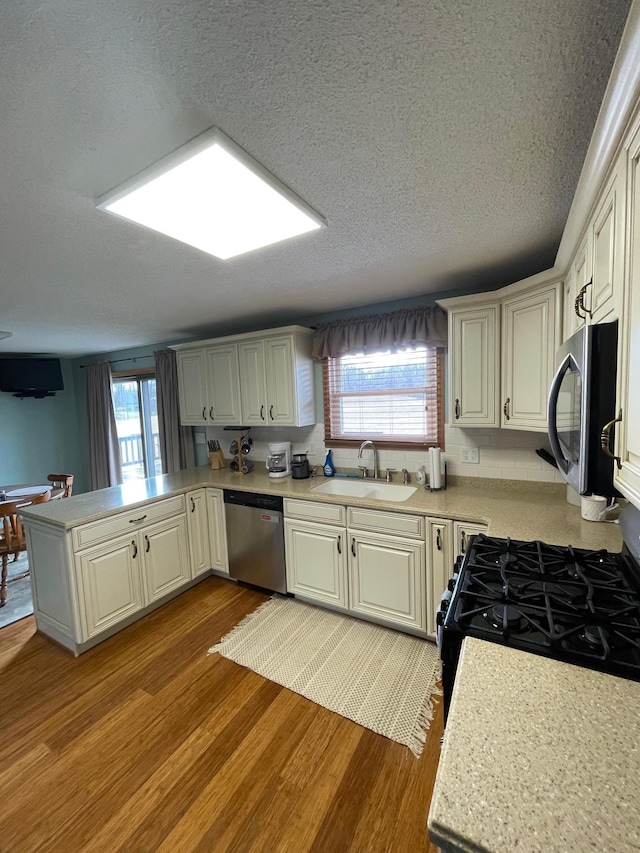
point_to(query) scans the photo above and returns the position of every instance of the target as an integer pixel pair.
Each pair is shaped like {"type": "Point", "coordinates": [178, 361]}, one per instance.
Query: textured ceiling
{"type": "Point", "coordinates": [442, 139]}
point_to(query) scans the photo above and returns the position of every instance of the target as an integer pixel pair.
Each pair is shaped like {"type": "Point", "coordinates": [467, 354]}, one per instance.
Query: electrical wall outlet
{"type": "Point", "coordinates": [469, 454]}
{"type": "Point", "coordinates": [200, 438]}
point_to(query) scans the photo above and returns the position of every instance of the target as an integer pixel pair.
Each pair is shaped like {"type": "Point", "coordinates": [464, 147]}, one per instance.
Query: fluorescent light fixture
{"type": "Point", "coordinates": [212, 195]}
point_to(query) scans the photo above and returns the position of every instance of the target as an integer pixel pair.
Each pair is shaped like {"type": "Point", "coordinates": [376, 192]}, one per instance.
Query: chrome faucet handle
{"type": "Point", "coordinates": [364, 471]}
{"type": "Point", "coordinates": [405, 476]}
{"type": "Point", "coordinates": [389, 474]}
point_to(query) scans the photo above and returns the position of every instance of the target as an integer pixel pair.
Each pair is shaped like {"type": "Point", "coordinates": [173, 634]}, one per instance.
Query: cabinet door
{"type": "Point", "coordinates": [281, 381]}
{"type": "Point", "coordinates": [462, 530]}
{"type": "Point", "coordinates": [224, 384]}
{"type": "Point", "coordinates": [579, 284]}
{"type": "Point", "coordinates": [474, 366]}
{"type": "Point", "coordinates": [439, 565]}
{"type": "Point", "coordinates": [253, 383]}
{"type": "Point", "coordinates": [165, 554]}
{"type": "Point", "coordinates": [531, 332]}
{"type": "Point", "coordinates": [386, 579]}
{"type": "Point", "coordinates": [198, 527]}
{"type": "Point", "coordinates": [316, 561]}
{"type": "Point", "coordinates": [192, 388]}
{"type": "Point", "coordinates": [627, 477]}
{"type": "Point", "coordinates": [217, 530]}
{"type": "Point", "coordinates": [110, 584]}
{"type": "Point", "coordinates": [608, 252]}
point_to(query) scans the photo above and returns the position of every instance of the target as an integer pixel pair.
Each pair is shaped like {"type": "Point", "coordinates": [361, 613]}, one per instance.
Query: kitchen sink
{"type": "Point", "coordinates": [369, 489]}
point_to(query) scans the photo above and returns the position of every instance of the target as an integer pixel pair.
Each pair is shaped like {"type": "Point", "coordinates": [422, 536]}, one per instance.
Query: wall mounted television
{"type": "Point", "coordinates": [31, 377]}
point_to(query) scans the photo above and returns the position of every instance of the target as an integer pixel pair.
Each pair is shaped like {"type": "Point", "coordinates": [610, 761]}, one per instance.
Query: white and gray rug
{"type": "Point", "coordinates": [377, 677]}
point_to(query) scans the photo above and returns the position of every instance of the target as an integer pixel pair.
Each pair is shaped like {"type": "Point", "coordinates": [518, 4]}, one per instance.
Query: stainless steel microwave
{"type": "Point", "coordinates": [582, 401]}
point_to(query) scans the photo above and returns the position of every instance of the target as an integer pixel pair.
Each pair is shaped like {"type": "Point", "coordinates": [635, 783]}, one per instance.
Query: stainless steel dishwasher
{"type": "Point", "coordinates": [255, 539]}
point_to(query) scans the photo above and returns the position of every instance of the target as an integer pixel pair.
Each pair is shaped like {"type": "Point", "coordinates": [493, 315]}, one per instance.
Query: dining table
{"type": "Point", "coordinates": [24, 493]}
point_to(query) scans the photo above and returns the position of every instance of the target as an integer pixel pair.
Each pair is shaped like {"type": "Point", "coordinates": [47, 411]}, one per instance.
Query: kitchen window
{"type": "Point", "coordinates": [134, 404]}
{"type": "Point", "coordinates": [394, 398]}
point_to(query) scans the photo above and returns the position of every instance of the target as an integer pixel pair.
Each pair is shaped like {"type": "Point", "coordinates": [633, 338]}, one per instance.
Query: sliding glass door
{"type": "Point", "coordinates": [134, 403]}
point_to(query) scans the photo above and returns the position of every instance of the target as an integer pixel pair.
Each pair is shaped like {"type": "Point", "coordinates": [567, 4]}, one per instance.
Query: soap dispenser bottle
{"type": "Point", "coordinates": [329, 468]}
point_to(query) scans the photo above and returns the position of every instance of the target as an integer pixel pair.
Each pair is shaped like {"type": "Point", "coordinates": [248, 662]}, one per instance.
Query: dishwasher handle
{"type": "Point", "coordinates": [272, 503]}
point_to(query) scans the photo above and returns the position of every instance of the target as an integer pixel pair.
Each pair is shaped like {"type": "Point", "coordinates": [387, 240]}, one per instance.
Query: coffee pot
{"type": "Point", "coordinates": [300, 467]}
{"type": "Point", "coordinates": [279, 459]}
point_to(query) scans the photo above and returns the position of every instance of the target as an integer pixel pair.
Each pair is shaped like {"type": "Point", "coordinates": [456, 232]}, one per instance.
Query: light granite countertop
{"type": "Point", "coordinates": [537, 755]}
{"type": "Point", "coordinates": [521, 510]}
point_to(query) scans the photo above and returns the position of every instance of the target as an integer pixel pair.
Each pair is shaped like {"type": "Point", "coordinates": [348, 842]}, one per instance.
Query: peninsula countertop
{"type": "Point", "coordinates": [520, 510]}
{"type": "Point", "coordinates": [537, 755]}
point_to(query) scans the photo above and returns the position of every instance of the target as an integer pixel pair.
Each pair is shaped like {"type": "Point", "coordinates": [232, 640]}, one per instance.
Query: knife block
{"type": "Point", "coordinates": [217, 460]}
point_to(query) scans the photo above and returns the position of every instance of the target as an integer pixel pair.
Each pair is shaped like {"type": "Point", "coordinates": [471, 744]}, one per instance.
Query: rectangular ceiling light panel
{"type": "Point", "coordinates": [212, 195]}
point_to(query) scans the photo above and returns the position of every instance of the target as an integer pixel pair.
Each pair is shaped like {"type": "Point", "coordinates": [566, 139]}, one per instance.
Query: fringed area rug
{"type": "Point", "coordinates": [376, 677]}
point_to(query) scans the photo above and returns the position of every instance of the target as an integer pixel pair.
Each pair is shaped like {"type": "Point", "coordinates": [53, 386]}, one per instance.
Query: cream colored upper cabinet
{"type": "Point", "coordinates": [192, 383]}
{"type": "Point", "coordinates": [474, 366]}
{"type": "Point", "coordinates": [627, 476]}
{"type": "Point", "coordinates": [530, 337]}
{"type": "Point", "coordinates": [224, 384]}
{"type": "Point", "coordinates": [261, 379]}
{"type": "Point", "coordinates": [608, 230]}
{"type": "Point", "coordinates": [253, 382]}
{"type": "Point", "coordinates": [577, 283]}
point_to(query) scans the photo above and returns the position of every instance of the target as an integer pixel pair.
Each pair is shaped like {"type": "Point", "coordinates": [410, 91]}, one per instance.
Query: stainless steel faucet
{"type": "Point", "coordinates": [368, 443]}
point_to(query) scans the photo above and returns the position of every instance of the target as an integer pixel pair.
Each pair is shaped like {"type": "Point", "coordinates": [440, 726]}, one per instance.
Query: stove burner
{"type": "Point", "coordinates": [505, 614]}
{"type": "Point", "coordinates": [506, 559]}
{"type": "Point", "coordinates": [595, 637]}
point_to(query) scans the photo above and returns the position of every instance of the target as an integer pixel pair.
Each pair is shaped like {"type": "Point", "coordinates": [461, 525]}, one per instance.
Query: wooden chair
{"type": "Point", "coordinates": [62, 481]}
{"type": "Point", "coordinates": [12, 540]}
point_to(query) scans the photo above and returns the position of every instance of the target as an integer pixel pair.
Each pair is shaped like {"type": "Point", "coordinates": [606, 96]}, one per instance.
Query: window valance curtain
{"type": "Point", "coordinates": [379, 332]}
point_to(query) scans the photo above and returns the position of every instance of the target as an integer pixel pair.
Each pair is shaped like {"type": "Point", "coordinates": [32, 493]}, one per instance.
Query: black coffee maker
{"type": "Point", "coordinates": [300, 467]}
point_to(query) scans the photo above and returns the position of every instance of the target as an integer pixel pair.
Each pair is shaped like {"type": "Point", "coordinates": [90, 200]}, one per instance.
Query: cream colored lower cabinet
{"type": "Point", "coordinates": [462, 530]}
{"type": "Point", "coordinates": [439, 534]}
{"type": "Point", "coordinates": [217, 531]}
{"type": "Point", "coordinates": [386, 579]}
{"type": "Point", "coordinates": [110, 584]}
{"type": "Point", "coordinates": [120, 577]}
{"type": "Point", "coordinates": [164, 552]}
{"type": "Point", "coordinates": [198, 525]}
{"type": "Point", "coordinates": [316, 558]}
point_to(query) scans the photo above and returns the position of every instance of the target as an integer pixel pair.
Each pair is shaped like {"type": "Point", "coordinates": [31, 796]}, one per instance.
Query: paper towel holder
{"type": "Point", "coordinates": [444, 482]}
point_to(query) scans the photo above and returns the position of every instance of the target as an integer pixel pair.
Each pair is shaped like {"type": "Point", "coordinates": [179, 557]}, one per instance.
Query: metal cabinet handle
{"type": "Point", "coordinates": [463, 542]}
{"type": "Point", "coordinates": [137, 520]}
{"type": "Point", "coordinates": [505, 408]}
{"type": "Point", "coordinates": [579, 303]}
{"type": "Point", "coordinates": [271, 412]}
{"type": "Point", "coordinates": [193, 505]}
{"type": "Point", "coordinates": [211, 414]}
{"type": "Point", "coordinates": [204, 413]}
{"type": "Point", "coordinates": [438, 539]}
{"type": "Point", "coordinates": [605, 439]}
{"type": "Point", "coordinates": [457, 409]}
{"type": "Point", "coordinates": [262, 412]}
{"type": "Point", "coordinates": [148, 545]}
{"type": "Point", "coordinates": [135, 548]}
{"type": "Point", "coordinates": [339, 544]}
{"type": "Point", "coordinates": [353, 547]}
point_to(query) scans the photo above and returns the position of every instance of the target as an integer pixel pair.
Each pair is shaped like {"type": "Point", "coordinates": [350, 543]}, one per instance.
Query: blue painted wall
{"type": "Point", "coordinates": [40, 437]}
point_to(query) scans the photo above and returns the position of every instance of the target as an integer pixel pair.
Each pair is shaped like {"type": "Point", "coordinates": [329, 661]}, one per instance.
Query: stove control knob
{"type": "Point", "coordinates": [452, 583]}
{"type": "Point", "coordinates": [440, 617]}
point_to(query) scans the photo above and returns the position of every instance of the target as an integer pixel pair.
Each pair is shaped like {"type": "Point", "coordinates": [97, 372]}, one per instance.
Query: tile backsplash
{"type": "Point", "coordinates": [503, 454]}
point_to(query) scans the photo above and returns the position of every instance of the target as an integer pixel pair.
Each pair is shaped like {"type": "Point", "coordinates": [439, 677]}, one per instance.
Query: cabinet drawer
{"type": "Point", "coordinates": [329, 513]}
{"type": "Point", "coordinates": [386, 522]}
{"type": "Point", "coordinates": [125, 522]}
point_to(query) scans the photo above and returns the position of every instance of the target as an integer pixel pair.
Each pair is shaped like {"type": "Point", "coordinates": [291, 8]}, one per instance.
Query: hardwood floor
{"type": "Point", "coordinates": [146, 743]}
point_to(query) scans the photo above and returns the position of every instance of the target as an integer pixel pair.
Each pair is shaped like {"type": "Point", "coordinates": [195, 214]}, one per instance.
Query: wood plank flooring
{"type": "Point", "coordinates": [146, 743]}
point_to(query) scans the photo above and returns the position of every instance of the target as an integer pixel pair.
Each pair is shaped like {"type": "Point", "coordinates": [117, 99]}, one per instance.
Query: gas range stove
{"type": "Point", "coordinates": [567, 603]}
